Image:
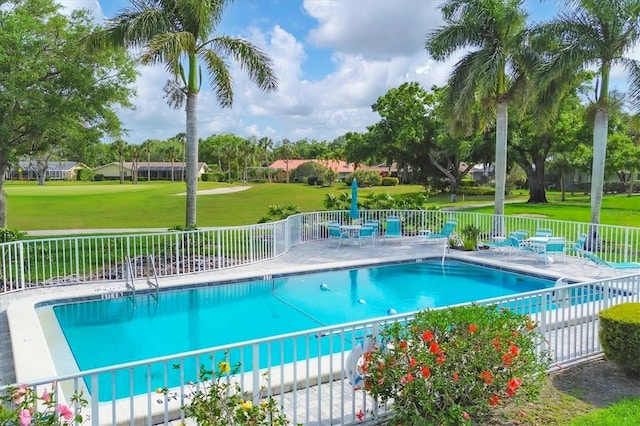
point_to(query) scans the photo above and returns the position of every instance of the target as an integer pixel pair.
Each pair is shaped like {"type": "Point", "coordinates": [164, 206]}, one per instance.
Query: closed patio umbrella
{"type": "Point", "coordinates": [353, 211]}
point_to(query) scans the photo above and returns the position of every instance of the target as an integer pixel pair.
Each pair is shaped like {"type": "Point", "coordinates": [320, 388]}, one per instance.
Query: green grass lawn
{"type": "Point", "coordinates": [86, 205]}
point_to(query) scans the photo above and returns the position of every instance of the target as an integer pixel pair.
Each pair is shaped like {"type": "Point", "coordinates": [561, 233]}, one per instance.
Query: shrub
{"type": "Point", "coordinates": [390, 181]}
{"type": "Point", "coordinates": [620, 335]}
{"type": "Point", "coordinates": [218, 400]}
{"type": "Point", "coordinates": [364, 178]}
{"type": "Point", "coordinates": [476, 190]}
{"type": "Point", "coordinates": [22, 406]}
{"type": "Point", "coordinates": [8, 235]}
{"type": "Point", "coordinates": [208, 177]}
{"type": "Point", "coordinates": [468, 182]}
{"type": "Point", "coordinates": [98, 177]}
{"type": "Point", "coordinates": [449, 366]}
{"type": "Point", "coordinates": [470, 234]}
{"type": "Point", "coordinates": [85, 175]}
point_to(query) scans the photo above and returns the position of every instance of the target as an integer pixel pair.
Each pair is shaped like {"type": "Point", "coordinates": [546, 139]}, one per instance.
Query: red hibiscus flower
{"type": "Point", "coordinates": [472, 328]}
{"type": "Point", "coordinates": [427, 336]}
{"type": "Point", "coordinates": [426, 373]}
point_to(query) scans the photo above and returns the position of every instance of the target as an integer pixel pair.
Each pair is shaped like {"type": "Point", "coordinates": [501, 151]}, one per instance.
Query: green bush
{"type": "Point", "coordinates": [455, 365]}
{"type": "Point", "coordinates": [620, 335]}
{"type": "Point", "coordinates": [476, 190]}
{"type": "Point", "coordinates": [7, 235]}
{"type": "Point", "coordinates": [85, 175]}
{"type": "Point", "coordinates": [468, 182]}
{"type": "Point", "coordinates": [98, 177]}
{"type": "Point", "coordinates": [390, 181]}
{"type": "Point", "coordinates": [364, 178]}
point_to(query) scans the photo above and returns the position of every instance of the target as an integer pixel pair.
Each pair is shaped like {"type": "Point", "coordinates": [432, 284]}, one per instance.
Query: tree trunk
{"type": "Point", "coordinates": [148, 167]}
{"type": "Point", "coordinates": [600, 128]}
{"type": "Point", "coordinates": [537, 192]}
{"type": "Point", "coordinates": [563, 185]}
{"type": "Point", "coordinates": [192, 159]}
{"type": "Point", "coordinates": [500, 165]}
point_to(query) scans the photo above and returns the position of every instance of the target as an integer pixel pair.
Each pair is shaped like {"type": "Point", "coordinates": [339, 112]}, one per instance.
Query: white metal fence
{"type": "Point", "coordinates": [306, 369]}
{"type": "Point", "coordinates": [55, 261]}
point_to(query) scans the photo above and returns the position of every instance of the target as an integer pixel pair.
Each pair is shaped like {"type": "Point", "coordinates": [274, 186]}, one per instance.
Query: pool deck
{"type": "Point", "coordinates": [305, 257]}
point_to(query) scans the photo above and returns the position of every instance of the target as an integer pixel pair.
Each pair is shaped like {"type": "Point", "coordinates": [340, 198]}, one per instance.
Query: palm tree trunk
{"type": "Point", "coordinates": [148, 166]}
{"type": "Point", "coordinates": [192, 158]}
{"type": "Point", "coordinates": [501, 166]}
{"type": "Point", "coordinates": [600, 129]}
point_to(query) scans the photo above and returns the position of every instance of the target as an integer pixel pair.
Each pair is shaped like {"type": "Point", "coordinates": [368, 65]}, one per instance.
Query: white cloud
{"type": "Point", "coordinates": [93, 6]}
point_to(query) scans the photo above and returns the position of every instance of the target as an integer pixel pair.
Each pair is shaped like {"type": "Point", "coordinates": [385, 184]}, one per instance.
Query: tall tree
{"type": "Point", "coordinates": [179, 34]}
{"type": "Point", "coordinates": [596, 33]}
{"type": "Point", "coordinates": [493, 32]}
{"type": "Point", "coordinates": [120, 148]}
{"type": "Point", "coordinates": [147, 147]}
{"type": "Point", "coordinates": [50, 88]}
{"type": "Point", "coordinates": [266, 144]}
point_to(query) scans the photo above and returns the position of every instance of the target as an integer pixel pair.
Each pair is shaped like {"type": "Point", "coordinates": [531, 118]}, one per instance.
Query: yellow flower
{"type": "Point", "coordinates": [224, 367]}
{"type": "Point", "coordinates": [247, 405]}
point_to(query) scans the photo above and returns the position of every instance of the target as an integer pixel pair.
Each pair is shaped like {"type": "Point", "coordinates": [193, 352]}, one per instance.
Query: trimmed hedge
{"type": "Point", "coordinates": [620, 335]}
{"type": "Point", "coordinates": [390, 181]}
{"type": "Point", "coordinates": [476, 190]}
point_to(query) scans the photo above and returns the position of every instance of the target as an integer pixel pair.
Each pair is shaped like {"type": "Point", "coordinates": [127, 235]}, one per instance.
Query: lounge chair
{"type": "Point", "coordinates": [512, 243]}
{"type": "Point", "coordinates": [445, 232]}
{"type": "Point", "coordinates": [394, 227]}
{"type": "Point", "coordinates": [374, 224]}
{"type": "Point", "coordinates": [336, 232]}
{"type": "Point", "coordinates": [601, 264]}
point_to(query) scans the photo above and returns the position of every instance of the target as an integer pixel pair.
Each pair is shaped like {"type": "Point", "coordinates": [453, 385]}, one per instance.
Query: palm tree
{"type": "Point", "coordinates": [494, 31]}
{"type": "Point", "coordinates": [120, 148]}
{"type": "Point", "coordinates": [595, 33]}
{"type": "Point", "coordinates": [135, 151]}
{"type": "Point", "coordinates": [147, 147]}
{"type": "Point", "coordinates": [265, 145]}
{"type": "Point", "coordinates": [178, 34]}
{"type": "Point", "coordinates": [181, 138]}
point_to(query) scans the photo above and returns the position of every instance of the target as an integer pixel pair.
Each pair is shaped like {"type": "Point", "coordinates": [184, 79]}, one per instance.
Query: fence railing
{"type": "Point", "coordinates": [305, 370]}
{"type": "Point", "coordinates": [30, 263]}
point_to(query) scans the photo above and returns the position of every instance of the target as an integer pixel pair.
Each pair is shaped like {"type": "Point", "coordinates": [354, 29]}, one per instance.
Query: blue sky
{"type": "Point", "coordinates": [333, 59]}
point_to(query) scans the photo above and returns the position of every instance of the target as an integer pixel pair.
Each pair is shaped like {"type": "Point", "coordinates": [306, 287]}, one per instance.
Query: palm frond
{"type": "Point", "coordinates": [219, 74]}
{"type": "Point", "coordinates": [633, 77]}
{"type": "Point", "coordinates": [166, 48]}
{"type": "Point", "coordinates": [251, 59]}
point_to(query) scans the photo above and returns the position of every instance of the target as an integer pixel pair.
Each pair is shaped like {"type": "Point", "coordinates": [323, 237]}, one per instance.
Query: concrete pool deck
{"type": "Point", "coordinates": [302, 258]}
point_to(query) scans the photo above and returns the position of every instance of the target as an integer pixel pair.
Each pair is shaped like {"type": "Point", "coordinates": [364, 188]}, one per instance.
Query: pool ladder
{"type": "Point", "coordinates": [151, 275]}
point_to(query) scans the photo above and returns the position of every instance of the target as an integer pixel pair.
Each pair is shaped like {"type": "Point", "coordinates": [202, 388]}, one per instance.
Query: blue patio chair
{"type": "Point", "coordinates": [336, 232]}
{"type": "Point", "coordinates": [373, 224]}
{"type": "Point", "coordinates": [578, 246]}
{"type": "Point", "coordinates": [543, 232]}
{"type": "Point", "coordinates": [367, 232]}
{"type": "Point", "coordinates": [393, 228]}
{"type": "Point", "coordinates": [600, 264]}
{"type": "Point", "coordinates": [552, 248]}
{"type": "Point", "coordinates": [445, 232]}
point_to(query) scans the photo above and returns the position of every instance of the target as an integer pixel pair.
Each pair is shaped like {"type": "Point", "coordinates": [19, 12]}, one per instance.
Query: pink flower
{"type": "Point", "coordinates": [65, 412]}
{"type": "Point", "coordinates": [46, 396]}
{"type": "Point", "coordinates": [25, 418]}
{"type": "Point", "coordinates": [19, 394]}
{"type": "Point", "coordinates": [360, 415]}
{"type": "Point", "coordinates": [465, 415]}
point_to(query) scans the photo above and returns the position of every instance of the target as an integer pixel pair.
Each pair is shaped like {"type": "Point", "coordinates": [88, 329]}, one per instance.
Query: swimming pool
{"type": "Point", "coordinates": [113, 331]}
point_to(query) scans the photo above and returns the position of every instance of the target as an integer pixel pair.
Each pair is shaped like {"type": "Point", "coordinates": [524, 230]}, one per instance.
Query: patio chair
{"type": "Point", "coordinates": [367, 232]}
{"type": "Point", "coordinates": [600, 264]}
{"type": "Point", "coordinates": [553, 247]}
{"type": "Point", "coordinates": [336, 232]}
{"type": "Point", "coordinates": [445, 232]}
{"type": "Point", "coordinates": [543, 232]}
{"type": "Point", "coordinates": [578, 245]}
{"type": "Point", "coordinates": [393, 228]}
{"type": "Point", "coordinates": [375, 224]}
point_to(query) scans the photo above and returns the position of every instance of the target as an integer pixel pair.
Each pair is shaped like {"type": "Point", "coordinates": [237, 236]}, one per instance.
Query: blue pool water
{"type": "Point", "coordinates": [107, 332]}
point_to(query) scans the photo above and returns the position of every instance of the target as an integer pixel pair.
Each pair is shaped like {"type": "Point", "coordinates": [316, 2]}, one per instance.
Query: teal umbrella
{"type": "Point", "coordinates": [353, 211]}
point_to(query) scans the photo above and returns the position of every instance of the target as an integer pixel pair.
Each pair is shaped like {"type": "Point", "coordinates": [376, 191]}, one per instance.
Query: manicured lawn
{"type": "Point", "coordinates": [86, 205]}
{"type": "Point", "coordinates": [626, 412]}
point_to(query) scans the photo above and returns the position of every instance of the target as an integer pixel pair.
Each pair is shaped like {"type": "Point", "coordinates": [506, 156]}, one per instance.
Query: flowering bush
{"type": "Point", "coordinates": [449, 366]}
{"type": "Point", "coordinates": [22, 406]}
{"type": "Point", "coordinates": [219, 400]}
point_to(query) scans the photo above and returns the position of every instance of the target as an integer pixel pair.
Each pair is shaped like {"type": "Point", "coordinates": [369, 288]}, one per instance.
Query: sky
{"type": "Point", "coordinates": [333, 60]}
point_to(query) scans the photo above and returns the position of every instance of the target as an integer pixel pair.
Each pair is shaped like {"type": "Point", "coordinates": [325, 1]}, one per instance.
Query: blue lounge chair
{"type": "Point", "coordinates": [543, 232]}
{"type": "Point", "coordinates": [374, 224]}
{"type": "Point", "coordinates": [601, 264]}
{"type": "Point", "coordinates": [336, 232]}
{"type": "Point", "coordinates": [511, 244]}
{"type": "Point", "coordinates": [394, 227]}
{"type": "Point", "coordinates": [445, 232]}
{"type": "Point", "coordinates": [578, 246]}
